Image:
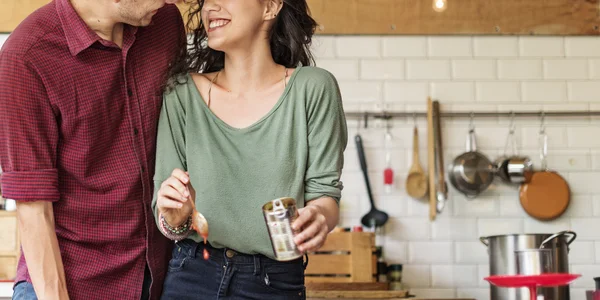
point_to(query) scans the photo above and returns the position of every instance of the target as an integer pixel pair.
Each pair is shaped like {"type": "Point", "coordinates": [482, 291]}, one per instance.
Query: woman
{"type": "Point", "coordinates": [246, 121]}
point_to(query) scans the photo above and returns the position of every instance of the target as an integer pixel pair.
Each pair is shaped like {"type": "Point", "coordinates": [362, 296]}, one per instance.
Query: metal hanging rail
{"type": "Point", "coordinates": [472, 114]}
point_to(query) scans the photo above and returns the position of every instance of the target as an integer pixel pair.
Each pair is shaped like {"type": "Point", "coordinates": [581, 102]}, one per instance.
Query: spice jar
{"type": "Point", "coordinates": [395, 276]}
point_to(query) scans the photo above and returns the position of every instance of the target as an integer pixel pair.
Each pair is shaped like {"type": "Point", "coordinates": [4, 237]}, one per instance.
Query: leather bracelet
{"type": "Point", "coordinates": [179, 230]}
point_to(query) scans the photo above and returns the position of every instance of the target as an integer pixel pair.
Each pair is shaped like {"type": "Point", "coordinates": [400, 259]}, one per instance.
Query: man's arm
{"type": "Point", "coordinates": [40, 247]}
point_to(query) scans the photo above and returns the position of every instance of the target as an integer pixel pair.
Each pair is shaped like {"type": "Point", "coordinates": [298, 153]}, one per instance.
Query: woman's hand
{"type": "Point", "coordinates": [175, 196]}
{"type": "Point", "coordinates": [313, 225]}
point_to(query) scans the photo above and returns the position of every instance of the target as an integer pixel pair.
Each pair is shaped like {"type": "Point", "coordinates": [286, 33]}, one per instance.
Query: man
{"type": "Point", "coordinates": [79, 102]}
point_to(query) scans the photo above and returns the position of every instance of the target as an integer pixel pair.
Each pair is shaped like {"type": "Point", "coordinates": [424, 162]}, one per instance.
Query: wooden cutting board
{"type": "Point", "coordinates": [347, 286]}
{"type": "Point", "coordinates": [357, 294]}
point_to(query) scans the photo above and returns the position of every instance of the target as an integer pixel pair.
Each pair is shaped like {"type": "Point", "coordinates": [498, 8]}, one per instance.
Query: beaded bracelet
{"type": "Point", "coordinates": [179, 230]}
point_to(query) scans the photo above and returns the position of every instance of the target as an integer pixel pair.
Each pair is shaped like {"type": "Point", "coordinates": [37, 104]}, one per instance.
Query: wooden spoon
{"type": "Point", "coordinates": [416, 182]}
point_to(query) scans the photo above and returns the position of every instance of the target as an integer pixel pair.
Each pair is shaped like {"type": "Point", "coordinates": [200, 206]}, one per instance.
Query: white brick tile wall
{"type": "Point", "coordinates": [453, 91]}
{"type": "Point", "coordinates": [382, 69]}
{"type": "Point", "coordinates": [444, 258]}
{"type": "Point", "coordinates": [363, 47]}
{"type": "Point", "coordinates": [520, 69]}
{"type": "Point", "coordinates": [542, 46]}
{"type": "Point", "coordinates": [430, 252]}
{"type": "Point", "coordinates": [544, 91]}
{"type": "Point", "coordinates": [485, 46]}
{"type": "Point", "coordinates": [471, 253]}
{"type": "Point", "coordinates": [342, 69]}
{"type": "Point", "coordinates": [584, 91]}
{"type": "Point", "coordinates": [447, 276]}
{"type": "Point", "coordinates": [447, 46]}
{"type": "Point", "coordinates": [3, 38]}
{"type": "Point", "coordinates": [474, 69]}
{"type": "Point", "coordinates": [406, 92]}
{"type": "Point", "coordinates": [427, 69]}
{"type": "Point", "coordinates": [498, 92]}
{"type": "Point", "coordinates": [566, 69]}
{"type": "Point", "coordinates": [323, 47]}
{"type": "Point", "coordinates": [588, 46]}
{"type": "Point", "coordinates": [454, 229]}
{"type": "Point", "coordinates": [405, 46]}
{"type": "Point", "coordinates": [415, 276]}
{"type": "Point", "coordinates": [582, 252]}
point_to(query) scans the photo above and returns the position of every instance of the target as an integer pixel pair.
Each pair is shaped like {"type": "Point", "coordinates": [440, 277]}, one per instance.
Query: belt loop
{"type": "Point", "coordinates": [256, 264]}
{"type": "Point", "coordinates": [193, 248]}
{"type": "Point", "coordinates": [305, 263]}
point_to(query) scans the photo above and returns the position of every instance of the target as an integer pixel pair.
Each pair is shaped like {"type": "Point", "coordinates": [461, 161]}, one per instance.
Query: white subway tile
{"type": "Point", "coordinates": [557, 137]}
{"type": "Point", "coordinates": [510, 206]}
{"type": "Point", "coordinates": [419, 208]}
{"type": "Point", "coordinates": [582, 46]}
{"type": "Point", "coordinates": [352, 205]}
{"type": "Point", "coordinates": [474, 69]}
{"type": "Point", "coordinates": [415, 276]}
{"type": "Point", "coordinates": [382, 69]}
{"type": "Point", "coordinates": [561, 121]}
{"type": "Point", "coordinates": [433, 293]}
{"type": "Point", "coordinates": [395, 251]}
{"type": "Point", "coordinates": [450, 46]}
{"type": "Point", "coordinates": [471, 253]}
{"type": "Point", "coordinates": [566, 69]}
{"type": "Point", "coordinates": [346, 221]}
{"type": "Point", "coordinates": [406, 92]}
{"type": "Point", "coordinates": [577, 294]}
{"type": "Point", "coordinates": [483, 272]}
{"type": "Point", "coordinates": [342, 69]}
{"type": "Point", "coordinates": [405, 46]}
{"type": "Point", "coordinates": [489, 227]}
{"type": "Point", "coordinates": [430, 252]}
{"type": "Point", "coordinates": [586, 228]}
{"type": "Point", "coordinates": [427, 69]}
{"type": "Point", "coordinates": [410, 228]}
{"type": "Point", "coordinates": [454, 229]}
{"type": "Point", "coordinates": [584, 182]}
{"type": "Point", "coordinates": [580, 206]}
{"type": "Point", "coordinates": [498, 92]}
{"type": "Point", "coordinates": [3, 38]}
{"type": "Point", "coordinates": [596, 160]}
{"type": "Point", "coordinates": [596, 204]}
{"type": "Point", "coordinates": [323, 47]}
{"type": "Point", "coordinates": [452, 92]}
{"type": "Point", "coordinates": [595, 68]}
{"type": "Point", "coordinates": [597, 247]}
{"type": "Point", "coordinates": [542, 46]}
{"type": "Point", "coordinates": [491, 137]}
{"type": "Point", "coordinates": [584, 91]}
{"type": "Point", "coordinates": [479, 294]}
{"type": "Point", "coordinates": [452, 276]}
{"type": "Point", "coordinates": [482, 206]}
{"type": "Point", "coordinates": [520, 69]}
{"type": "Point", "coordinates": [582, 252]}
{"type": "Point", "coordinates": [535, 226]}
{"type": "Point", "coordinates": [588, 272]}
{"type": "Point", "coordinates": [569, 162]}
{"type": "Point", "coordinates": [486, 46]}
{"type": "Point", "coordinates": [361, 91]}
{"type": "Point", "coordinates": [363, 47]}
{"type": "Point", "coordinates": [584, 137]}
{"type": "Point", "coordinates": [544, 91]}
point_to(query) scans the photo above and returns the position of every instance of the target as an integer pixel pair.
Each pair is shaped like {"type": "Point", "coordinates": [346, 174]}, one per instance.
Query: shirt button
{"type": "Point", "coordinates": [129, 92]}
{"type": "Point", "coordinates": [135, 131]}
{"type": "Point", "coordinates": [230, 253]}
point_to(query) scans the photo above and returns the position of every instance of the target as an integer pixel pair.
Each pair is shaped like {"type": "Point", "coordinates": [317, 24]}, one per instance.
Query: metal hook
{"type": "Point", "coordinates": [472, 122]}
{"type": "Point", "coordinates": [543, 122]}
{"type": "Point", "coordinates": [512, 125]}
{"type": "Point", "coordinates": [366, 120]}
{"type": "Point", "coordinates": [415, 119]}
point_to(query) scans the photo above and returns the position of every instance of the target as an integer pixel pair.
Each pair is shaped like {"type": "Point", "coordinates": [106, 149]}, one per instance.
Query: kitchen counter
{"type": "Point", "coordinates": [6, 290]}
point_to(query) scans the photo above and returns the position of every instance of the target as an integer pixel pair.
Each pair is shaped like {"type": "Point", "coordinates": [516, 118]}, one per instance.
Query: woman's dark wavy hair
{"type": "Point", "coordinates": [290, 38]}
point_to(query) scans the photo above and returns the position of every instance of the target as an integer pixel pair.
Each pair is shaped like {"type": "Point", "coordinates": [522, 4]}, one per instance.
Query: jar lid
{"type": "Point", "coordinates": [395, 267]}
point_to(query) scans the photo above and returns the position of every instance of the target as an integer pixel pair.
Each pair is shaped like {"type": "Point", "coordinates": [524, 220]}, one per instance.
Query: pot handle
{"type": "Point", "coordinates": [566, 232]}
{"type": "Point", "coordinates": [484, 240]}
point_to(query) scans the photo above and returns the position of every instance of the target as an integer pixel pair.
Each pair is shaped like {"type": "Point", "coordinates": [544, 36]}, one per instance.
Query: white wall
{"type": "Point", "coordinates": [444, 258]}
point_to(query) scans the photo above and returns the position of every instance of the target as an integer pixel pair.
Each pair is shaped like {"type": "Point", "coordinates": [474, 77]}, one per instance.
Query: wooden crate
{"type": "Point", "coordinates": [9, 245]}
{"type": "Point", "coordinates": [345, 257]}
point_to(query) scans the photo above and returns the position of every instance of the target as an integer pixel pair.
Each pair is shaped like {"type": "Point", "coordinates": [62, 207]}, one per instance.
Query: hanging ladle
{"type": "Point", "coordinates": [374, 216]}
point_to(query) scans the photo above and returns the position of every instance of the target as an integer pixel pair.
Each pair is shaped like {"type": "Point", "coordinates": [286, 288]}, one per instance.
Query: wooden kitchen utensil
{"type": "Point", "coordinates": [416, 181]}
{"type": "Point", "coordinates": [431, 161]}
{"type": "Point", "coordinates": [547, 195]}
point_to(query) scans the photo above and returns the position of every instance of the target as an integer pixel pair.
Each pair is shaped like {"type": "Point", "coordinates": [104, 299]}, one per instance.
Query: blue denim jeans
{"type": "Point", "coordinates": [228, 274]}
{"type": "Point", "coordinates": [23, 290]}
